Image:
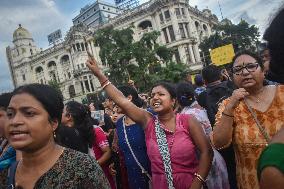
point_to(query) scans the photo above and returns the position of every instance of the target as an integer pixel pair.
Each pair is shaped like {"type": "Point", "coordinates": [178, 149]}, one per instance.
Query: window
{"type": "Point", "coordinates": [167, 15]}
{"type": "Point", "coordinates": [177, 56]}
{"type": "Point", "coordinates": [82, 86]}
{"type": "Point", "coordinates": [74, 47]}
{"type": "Point", "coordinates": [187, 53]}
{"type": "Point", "coordinates": [177, 12]}
{"type": "Point", "coordinates": [181, 29]}
{"type": "Point", "coordinates": [82, 46]}
{"type": "Point", "coordinates": [69, 74]}
{"type": "Point", "coordinates": [161, 17]}
{"type": "Point", "coordinates": [95, 10]}
{"type": "Point", "coordinates": [166, 35]}
{"type": "Point", "coordinates": [31, 50]}
{"type": "Point", "coordinates": [182, 11]}
{"type": "Point", "coordinates": [172, 33]}
{"type": "Point", "coordinates": [104, 7]}
{"type": "Point", "coordinates": [78, 46]}
{"type": "Point", "coordinates": [87, 85]}
{"type": "Point", "coordinates": [187, 29]}
{"type": "Point", "coordinates": [24, 77]}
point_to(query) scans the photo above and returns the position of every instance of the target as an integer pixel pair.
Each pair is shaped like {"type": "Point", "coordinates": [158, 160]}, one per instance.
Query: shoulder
{"type": "Point", "coordinates": [280, 88]}
{"type": "Point", "coordinates": [80, 164]}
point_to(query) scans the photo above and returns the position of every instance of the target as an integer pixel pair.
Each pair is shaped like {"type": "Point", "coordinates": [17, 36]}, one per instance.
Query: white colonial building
{"type": "Point", "coordinates": [182, 27]}
{"type": "Point", "coordinates": [63, 63]}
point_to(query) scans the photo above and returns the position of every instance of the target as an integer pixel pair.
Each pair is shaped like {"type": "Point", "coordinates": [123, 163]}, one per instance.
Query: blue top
{"type": "Point", "coordinates": [7, 157]}
{"type": "Point", "coordinates": [136, 138]}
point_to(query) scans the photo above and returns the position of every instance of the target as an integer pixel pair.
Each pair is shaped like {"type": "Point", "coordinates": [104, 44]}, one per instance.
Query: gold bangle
{"type": "Point", "coordinates": [199, 177]}
{"type": "Point", "coordinates": [104, 86]}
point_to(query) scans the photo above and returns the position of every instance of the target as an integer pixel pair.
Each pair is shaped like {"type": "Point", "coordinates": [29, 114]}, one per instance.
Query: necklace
{"type": "Point", "coordinates": [256, 96]}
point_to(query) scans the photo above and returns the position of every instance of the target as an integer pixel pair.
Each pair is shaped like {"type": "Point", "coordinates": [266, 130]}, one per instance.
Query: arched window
{"type": "Point", "coordinates": [197, 25]}
{"type": "Point", "coordinates": [72, 92]}
{"type": "Point", "coordinates": [145, 24]}
{"type": "Point", "coordinates": [39, 69]}
{"type": "Point", "coordinates": [51, 64]}
{"type": "Point", "coordinates": [64, 59]}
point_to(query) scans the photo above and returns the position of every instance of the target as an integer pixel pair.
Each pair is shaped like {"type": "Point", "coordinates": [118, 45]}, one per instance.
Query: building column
{"type": "Point", "coordinates": [192, 58]}
{"type": "Point", "coordinates": [89, 84]}
{"type": "Point", "coordinates": [84, 86]}
{"type": "Point", "coordinates": [175, 23]}
{"type": "Point", "coordinates": [196, 53]}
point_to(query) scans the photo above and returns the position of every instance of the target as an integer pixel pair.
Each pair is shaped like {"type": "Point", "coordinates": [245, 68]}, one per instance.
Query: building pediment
{"type": "Point", "coordinates": [76, 32]}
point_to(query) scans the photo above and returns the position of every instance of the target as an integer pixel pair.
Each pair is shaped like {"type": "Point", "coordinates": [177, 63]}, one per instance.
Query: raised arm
{"type": "Point", "coordinates": [137, 114]}
{"type": "Point", "coordinates": [223, 129]}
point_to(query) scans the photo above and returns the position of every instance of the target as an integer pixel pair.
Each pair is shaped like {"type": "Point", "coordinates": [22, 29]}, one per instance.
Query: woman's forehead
{"type": "Point", "coordinates": [244, 59]}
{"type": "Point", "coordinates": [158, 89]}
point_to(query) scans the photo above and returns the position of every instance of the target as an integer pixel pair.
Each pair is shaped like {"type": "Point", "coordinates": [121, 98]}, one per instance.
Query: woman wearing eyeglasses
{"type": "Point", "coordinates": [249, 118]}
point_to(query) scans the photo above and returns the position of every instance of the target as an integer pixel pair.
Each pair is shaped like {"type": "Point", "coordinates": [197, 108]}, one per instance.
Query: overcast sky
{"type": "Point", "coordinates": [41, 17]}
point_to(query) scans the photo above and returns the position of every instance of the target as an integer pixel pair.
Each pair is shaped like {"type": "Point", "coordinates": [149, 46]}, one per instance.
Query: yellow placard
{"type": "Point", "coordinates": [222, 55]}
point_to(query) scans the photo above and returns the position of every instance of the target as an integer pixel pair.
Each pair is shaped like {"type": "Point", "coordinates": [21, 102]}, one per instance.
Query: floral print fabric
{"type": "Point", "coordinates": [247, 139]}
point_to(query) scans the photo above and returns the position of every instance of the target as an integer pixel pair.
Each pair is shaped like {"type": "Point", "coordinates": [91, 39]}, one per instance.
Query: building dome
{"type": "Point", "coordinates": [21, 33]}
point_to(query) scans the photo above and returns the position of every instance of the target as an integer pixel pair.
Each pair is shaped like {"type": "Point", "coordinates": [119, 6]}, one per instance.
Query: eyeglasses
{"type": "Point", "coordinates": [250, 67]}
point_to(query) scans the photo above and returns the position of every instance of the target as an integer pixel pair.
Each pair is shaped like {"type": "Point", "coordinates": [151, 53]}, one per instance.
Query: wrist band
{"type": "Point", "coordinates": [105, 81]}
{"type": "Point", "coordinates": [227, 115]}
{"type": "Point", "coordinates": [104, 86]}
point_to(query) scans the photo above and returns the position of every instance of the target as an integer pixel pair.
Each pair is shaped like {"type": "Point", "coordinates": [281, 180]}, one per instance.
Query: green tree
{"type": "Point", "coordinates": [242, 35]}
{"type": "Point", "coordinates": [55, 85]}
{"type": "Point", "coordinates": [127, 58]}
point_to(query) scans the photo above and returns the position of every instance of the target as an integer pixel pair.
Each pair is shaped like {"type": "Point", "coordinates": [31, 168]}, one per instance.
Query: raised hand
{"type": "Point", "coordinates": [236, 97]}
{"type": "Point", "coordinates": [92, 64]}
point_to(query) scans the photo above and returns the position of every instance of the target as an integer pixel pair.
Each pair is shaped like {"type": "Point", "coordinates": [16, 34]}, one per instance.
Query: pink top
{"type": "Point", "coordinates": [182, 151]}
{"type": "Point", "coordinates": [99, 143]}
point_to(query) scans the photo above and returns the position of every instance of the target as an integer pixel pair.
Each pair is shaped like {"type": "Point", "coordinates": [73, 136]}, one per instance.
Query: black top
{"type": "Point", "coordinates": [70, 137]}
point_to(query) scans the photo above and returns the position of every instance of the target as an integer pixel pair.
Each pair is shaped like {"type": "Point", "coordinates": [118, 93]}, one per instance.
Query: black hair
{"type": "Point", "coordinates": [185, 94]}
{"type": "Point", "coordinates": [82, 120]}
{"type": "Point", "coordinates": [255, 56]}
{"type": "Point", "coordinates": [168, 86]}
{"type": "Point", "coordinates": [211, 73]}
{"type": "Point", "coordinates": [128, 90]}
{"type": "Point", "coordinates": [274, 35]}
{"type": "Point", "coordinates": [5, 100]}
{"type": "Point", "coordinates": [51, 99]}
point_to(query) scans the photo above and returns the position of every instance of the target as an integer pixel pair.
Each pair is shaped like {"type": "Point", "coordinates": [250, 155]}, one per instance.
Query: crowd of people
{"type": "Point", "coordinates": [225, 131]}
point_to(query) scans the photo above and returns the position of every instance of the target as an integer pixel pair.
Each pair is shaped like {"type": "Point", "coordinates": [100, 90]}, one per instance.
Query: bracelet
{"type": "Point", "coordinates": [104, 86]}
{"type": "Point", "coordinates": [199, 177]}
{"type": "Point", "coordinates": [232, 116]}
{"type": "Point", "coordinates": [105, 81]}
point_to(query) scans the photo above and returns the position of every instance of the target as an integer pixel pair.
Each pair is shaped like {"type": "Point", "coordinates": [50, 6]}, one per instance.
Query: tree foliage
{"type": "Point", "coordinates": [54, 84]}
{"type": "Point", "coordinates": [129, 59]}
{"type": "Point", "coordinates": [242, 35]}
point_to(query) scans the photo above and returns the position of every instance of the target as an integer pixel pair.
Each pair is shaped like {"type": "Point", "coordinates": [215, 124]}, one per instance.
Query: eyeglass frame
{"type": "Point", "coordinates": [245, 67]}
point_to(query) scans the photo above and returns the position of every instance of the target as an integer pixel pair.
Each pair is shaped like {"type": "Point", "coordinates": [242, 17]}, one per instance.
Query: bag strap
{"type": "Point", "coordinates": [260, 127]}
{"type": "Point", "coordinates": [12, 174]}
{"type": "Point", "coordinates": [164, 151]}
{"type": "Point", "coordinates": [132, 153]}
